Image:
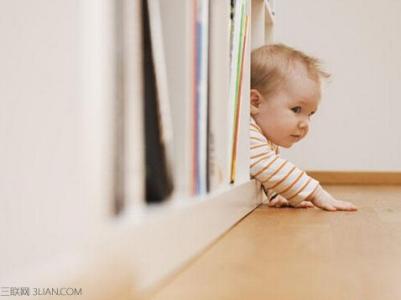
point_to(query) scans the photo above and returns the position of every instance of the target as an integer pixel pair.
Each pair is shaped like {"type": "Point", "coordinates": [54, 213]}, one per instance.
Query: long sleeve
{"type": "Point", "coordinates": [277, 175]}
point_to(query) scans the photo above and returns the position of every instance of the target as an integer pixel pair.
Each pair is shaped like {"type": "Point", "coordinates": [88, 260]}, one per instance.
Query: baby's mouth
{"type": "Point", "coordinates": [296, 137]}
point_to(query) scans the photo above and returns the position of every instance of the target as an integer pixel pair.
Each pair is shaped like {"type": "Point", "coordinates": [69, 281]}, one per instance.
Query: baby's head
{"type": "Point", "coordinates": [285, 92]}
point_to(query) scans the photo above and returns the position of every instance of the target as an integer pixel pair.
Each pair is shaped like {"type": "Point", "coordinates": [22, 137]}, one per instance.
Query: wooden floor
{"type": "Point", "coordinates": [303, 254]}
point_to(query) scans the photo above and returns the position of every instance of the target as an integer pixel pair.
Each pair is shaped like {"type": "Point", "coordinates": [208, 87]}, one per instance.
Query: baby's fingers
{"type": "Point", "coordinates": [325, 205]}
{"type": "Point", "coordinates": [344, 205]}
{"type": "Point", "coordinates": [278, 202]}
{"type": "Point", "coordinates": [304, 204]}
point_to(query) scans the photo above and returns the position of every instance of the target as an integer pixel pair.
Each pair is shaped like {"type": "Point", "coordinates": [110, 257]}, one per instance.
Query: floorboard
{"type": "Point", "coordinates": [303, 254]}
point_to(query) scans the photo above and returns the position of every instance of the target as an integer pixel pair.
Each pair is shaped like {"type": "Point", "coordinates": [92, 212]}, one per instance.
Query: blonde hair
{"type": "Point", "coordinates": [270, 65]}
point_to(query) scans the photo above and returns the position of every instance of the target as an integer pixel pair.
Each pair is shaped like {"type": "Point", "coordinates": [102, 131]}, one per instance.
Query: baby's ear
{"type": "Point", "coordinates": [255, 99]}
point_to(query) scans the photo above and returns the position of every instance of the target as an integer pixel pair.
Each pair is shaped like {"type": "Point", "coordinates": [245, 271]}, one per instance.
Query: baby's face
{"type": "Point", "coordinates": [285, 117]}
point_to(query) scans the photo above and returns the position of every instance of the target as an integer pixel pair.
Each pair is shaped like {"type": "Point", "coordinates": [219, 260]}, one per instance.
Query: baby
{"type": "Point", "coordinates": [285, 93]}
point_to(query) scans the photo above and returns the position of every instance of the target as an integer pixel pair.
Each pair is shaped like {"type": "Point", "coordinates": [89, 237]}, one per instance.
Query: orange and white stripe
{"type": "Point", "coordinates": [277, 175]}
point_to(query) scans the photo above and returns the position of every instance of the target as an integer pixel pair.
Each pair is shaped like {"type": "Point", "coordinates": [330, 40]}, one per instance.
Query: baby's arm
{"type": "Point", "coordinates": [278, 175]}
{"type": "Point", "coordinates": [285, 179]}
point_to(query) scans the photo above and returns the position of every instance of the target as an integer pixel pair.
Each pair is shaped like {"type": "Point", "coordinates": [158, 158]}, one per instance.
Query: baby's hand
{"type": "Point", "coordinates": [279, 201]}
{"type": "Point", "coordinates": [324, 200]}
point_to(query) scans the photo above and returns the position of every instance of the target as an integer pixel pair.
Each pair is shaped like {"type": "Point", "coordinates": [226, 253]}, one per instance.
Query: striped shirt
{"type": "Point", "coordinates": [277, 175]}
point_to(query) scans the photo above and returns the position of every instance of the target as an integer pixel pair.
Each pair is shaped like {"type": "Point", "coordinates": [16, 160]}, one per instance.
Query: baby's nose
{"type": "Point", "coordinates": [303, 125]}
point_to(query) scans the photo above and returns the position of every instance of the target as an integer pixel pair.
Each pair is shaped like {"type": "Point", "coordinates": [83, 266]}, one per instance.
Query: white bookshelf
{"type": "Point", "coordinates": [262, 13]}
{"type": "Point", "coordinates": [145, 243]}
{"type": "Point", "coordinates": [269, 12]}
{"type": "Point", "coordinates": [269, 21]}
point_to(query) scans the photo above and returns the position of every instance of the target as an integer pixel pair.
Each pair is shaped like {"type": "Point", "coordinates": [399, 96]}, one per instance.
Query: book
{"type": "Point", "coordinates": [159, 184]}
{"type": "Point", "coordinates": [219, 102]}
{"type": "Point", "coordinates": [200, 96]}
{"type": "Point", "coordinates": [129, 183]}
{"type": "Point", "coordinates": [238, 104]}
{"type": "Point", "coordinates": [178, 27]}
{"type": "Point", "coordinates": [158, 55]}
{"type": "Point", "coordinates": [239, 36]}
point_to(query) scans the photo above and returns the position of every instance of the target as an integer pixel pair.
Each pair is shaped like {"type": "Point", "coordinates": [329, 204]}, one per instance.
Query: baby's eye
{"type": "Point", "coordinates": [296, 109]}
{"type": "Point", "coordinates": [311, 114]}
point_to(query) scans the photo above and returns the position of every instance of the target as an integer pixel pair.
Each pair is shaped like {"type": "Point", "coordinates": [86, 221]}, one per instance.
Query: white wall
{"type": "Point", "coordinates": [357, 126]}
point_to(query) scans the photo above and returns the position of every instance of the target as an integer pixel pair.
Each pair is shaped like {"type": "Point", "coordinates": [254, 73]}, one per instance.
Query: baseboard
{"type": "Point", "coordinates": [170, 237]}
{"type": "Point", "coordinates": [141, 250]}
{"type": "Point", "coordinates": [362, 178]}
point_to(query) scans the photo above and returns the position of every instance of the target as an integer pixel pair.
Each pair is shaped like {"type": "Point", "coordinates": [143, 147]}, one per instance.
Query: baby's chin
{"type": "Point", "coordinates": [286, 145]}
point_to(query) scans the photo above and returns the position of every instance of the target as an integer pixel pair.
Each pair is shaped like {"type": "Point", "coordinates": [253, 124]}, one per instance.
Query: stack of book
{"type": "Point", "coordinates": [192, 95]}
